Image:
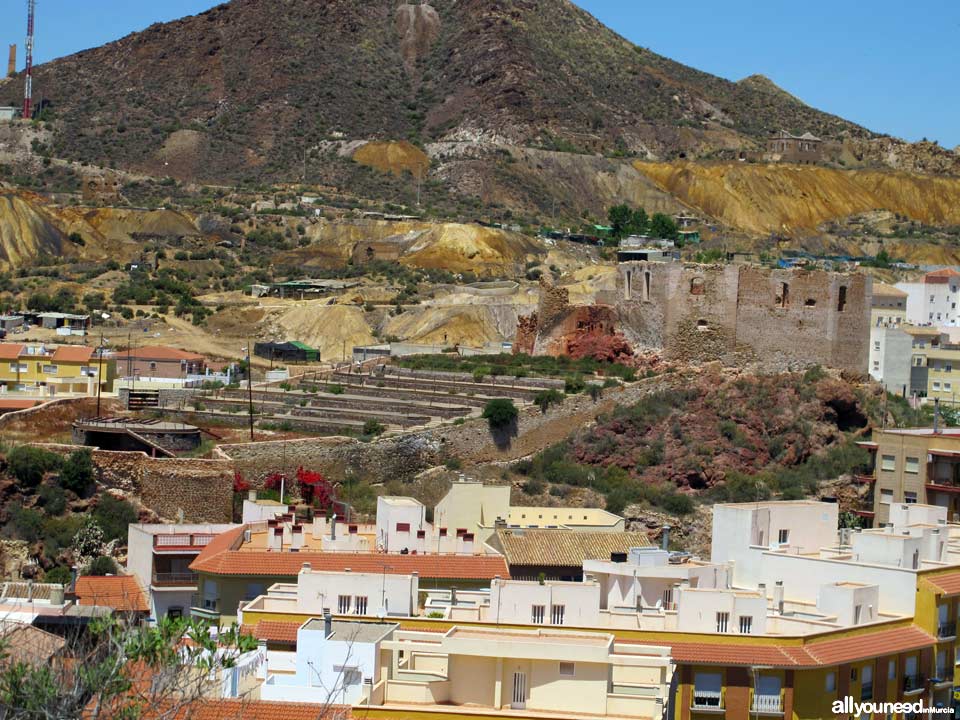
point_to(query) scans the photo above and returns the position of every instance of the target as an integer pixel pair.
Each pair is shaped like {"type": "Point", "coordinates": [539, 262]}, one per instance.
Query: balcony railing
{"type": "Point", "coordinates": [947, 630]}
{"type": "Point", "coordinates": [912, 683]}
{"type": "Point", "coordinates": [204, 607]}
{"type": "Point", "coordinates": [711, 699]}
{"type": "Point", "coordinates": [187, 541]}
{"type": "Point", "coordinates": [767, 704]}
{"type": "Point", "coordinates": [866, 691]}
{"type": "Point", "coordinates": [178, 579]}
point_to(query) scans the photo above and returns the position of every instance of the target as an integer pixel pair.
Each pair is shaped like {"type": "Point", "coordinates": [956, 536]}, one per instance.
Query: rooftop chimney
{"type": "Point", "coordinates": [333, 527]}
{"type": "Point", "coordinates": [327, 623]}
{"type": "Point", "coordinates": [296, 538]}
{"type": "Point", "coordinates": [252, 495]}
{"type": "Point", "coordinates": [778, 596]}
{"type": "Point", "coordinates": [665, 538]}
{"type": "Point", "coordinates": [276, 539]}
{"type": "Point", "coordinates": [306, 567]}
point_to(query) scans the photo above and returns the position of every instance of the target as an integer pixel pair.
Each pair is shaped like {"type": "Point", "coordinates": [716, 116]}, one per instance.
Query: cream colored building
{"type": "Point", "coordinates": [471, 505]}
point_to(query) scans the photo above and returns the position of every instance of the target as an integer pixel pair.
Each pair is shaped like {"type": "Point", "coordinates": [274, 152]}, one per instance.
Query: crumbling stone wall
{"type": "Point", "coordinates": [199, 490]}
{"type": "Point", "coordinates": [738, 314]}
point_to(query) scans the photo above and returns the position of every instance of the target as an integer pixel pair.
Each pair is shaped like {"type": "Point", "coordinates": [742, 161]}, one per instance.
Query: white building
{"type": "Point", "coordinates": [933, 300]}
{"type": "Point", "coordinates": [159, 556]}
{"type": "Point", "coordinates": [891, 355]}
{"type": "Point", "coordinates": [548, 603]}
{"type": "Point", "coordinates": [350, 593]}
{"type": "Point", "coordinates": [400, 521]}
{"type": "Point", "coordinates": [334, 661]}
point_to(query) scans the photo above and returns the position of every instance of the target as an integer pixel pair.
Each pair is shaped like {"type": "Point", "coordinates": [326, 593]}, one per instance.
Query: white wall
{"type": "Point", "coordinates": [511, 601]}
{"type": "Point", "coordinates": [390, 512]}
{"type": "Point", "coordinates": [841, 600]}
{"type": "Point", "coordinates": [386, 594]}
{"type": "Point", "coordinates": [470, 504]}
{"type": "Point", "coordinates": [697, 610]}
{"type": "Point", "coordinates": [318, 658]}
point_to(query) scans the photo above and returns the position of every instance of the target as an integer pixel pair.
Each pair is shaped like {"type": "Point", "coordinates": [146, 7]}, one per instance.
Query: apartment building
{"type": "Point", "coordinates": [933, 299]}
{"type": "Point", "coordinates": [915, 465]}
{"type": "Point", "coordinates": [159, 557]}
{"type": "Point", "coordinates": [49, 370]}
{"type": "Point", "coordinates": [888, 306]}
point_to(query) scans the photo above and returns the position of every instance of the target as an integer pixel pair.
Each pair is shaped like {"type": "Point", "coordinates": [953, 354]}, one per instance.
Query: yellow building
{"type": "Point", "coordinates": [51, 370]}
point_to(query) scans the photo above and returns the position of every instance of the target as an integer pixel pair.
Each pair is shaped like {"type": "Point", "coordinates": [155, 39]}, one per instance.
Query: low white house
{"type": "Point", "coordinates": [350, 593]}
{"type": "Point", "coordinates": [335, 660]}
{"type": "Point", "coordinates": [399, 520]}
{"type": "Point", "coordinates": [547, 603]}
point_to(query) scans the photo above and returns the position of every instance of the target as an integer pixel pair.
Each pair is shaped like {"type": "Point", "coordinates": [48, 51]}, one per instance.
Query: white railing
{"type": "Point", "coordinates": [767, 704]}
{"type": "Point", "coordinates": [707, 699]}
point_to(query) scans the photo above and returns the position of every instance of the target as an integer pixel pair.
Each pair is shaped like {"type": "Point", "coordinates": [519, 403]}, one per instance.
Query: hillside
{"type": "Point", "coordinates": [243, 90]}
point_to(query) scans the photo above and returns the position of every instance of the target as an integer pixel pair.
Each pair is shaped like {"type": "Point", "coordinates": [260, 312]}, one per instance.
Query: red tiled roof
{"type": "Point", "coordinates": [14, 404]}
{"type": "Point", "coordinates": [273, 631]}
{"type": "Point", "coordinates": [825, 652]}
{"type": "Point", "coordinates": [161, 352]}
{"type": "Point", "coordinates": [72, 353]}
{"type": "Point", "coordinates": [868, 645]}
{"type": "Point", "coordinates": [10, 351]}
{"type": "Point", "coordinates": [220, 709]}
{"type": "Point", "coordinates": [948, 584]}
{"type": "Point", "coordinates": [940, 276]}
{"type": "Point", "coordinates": [120, 592]}
{"type": "Point", "coordinates": [221, 557]}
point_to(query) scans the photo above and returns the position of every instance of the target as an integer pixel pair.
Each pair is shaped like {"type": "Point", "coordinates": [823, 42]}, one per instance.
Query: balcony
{"type": "Point", "coordinates": [913, 683]}
{"type": "Point", "coordinates": [944, 676]}
{"type": "Point", "coordinates": [182, 542]}
{"type": "Point", "coordinates": [174, 579]}
{"type": "Point", "coordinates": [947, 630]}
{"type": "Point", "coordinates": [205, 608]}
{"type": "Point", "coordinates": [769, 704]}
{"type": "Point", "coordinates": [711, 700]}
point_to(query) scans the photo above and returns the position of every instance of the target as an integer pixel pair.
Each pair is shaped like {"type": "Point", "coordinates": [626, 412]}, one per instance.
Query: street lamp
{"type": "Point", "coordinates": [105, 317]}
{"type": "Point", "coordinates": [250, 394]}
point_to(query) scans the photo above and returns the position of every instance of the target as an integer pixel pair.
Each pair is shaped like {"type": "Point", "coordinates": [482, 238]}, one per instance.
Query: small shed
{"type": "Point", "coordinates": [287, 351]}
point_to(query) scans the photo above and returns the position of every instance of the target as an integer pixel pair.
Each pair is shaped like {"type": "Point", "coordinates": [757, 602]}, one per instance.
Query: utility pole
{"type": "Point", "coordinates": [28, 76]}
{"type": "Point", "coordinates": [250, 393]}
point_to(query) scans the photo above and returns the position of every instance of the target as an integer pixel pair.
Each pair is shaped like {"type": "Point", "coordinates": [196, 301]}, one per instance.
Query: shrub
{"type": "Point", "coordinates": [29, 464]}
{"type": "Point", "coordinates": [677, 504]}
{"type": "Point", "coordinates": [114, 516]}
{"type": "Point", "coordinates": [534, 486]}
{"type": "Point", "coordinates": [453, 463]}
{"type": "Point", "coordinates": [500, 413]}
{"type": "Point", "coordinates": [102, 565]}
{"type": "Point", "coordinates": [545, 398]}
{"type": "Point", "coordinates": [595, 390]}
{"type": "Point", "coordinates": [27, 523]}
{"type": "Point", "coordinates": [373, 428]}
{"type": "Point", "coordinates": [53, 498]}
{"type": "Point", "coordinates": [58, 574]}
{"type": "Point", "coordinates": [573, 384]}
{"type": "Point", "coordinates": [335, 389]}
{"type": "Point", "coordinates": [77, 473]}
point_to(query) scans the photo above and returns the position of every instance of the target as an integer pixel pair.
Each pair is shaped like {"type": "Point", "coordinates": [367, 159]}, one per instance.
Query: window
{"type": "Point", "coordinates": [830, 684]}
{"type": "Point", "coordinates": [931, 298]}
{"type": "Point", "coordinates": [783, 295]}
{"type": "Point", "coordinates": [746, 624]}
{"type": "Point", "coordinates": [49, 369]}
{"type": "Point", "coordinates": [876, 344]}
{"type": "Point", "coordinates": [909, 497]}
{"type": "Point", "coordinates": [360, 605]}
{"type": "Point", "coordinates": [668, 598]}
{"type": "Point", "coordinates": [809, 302]}
{"type": "Point", "coordinates": [568, 669]}
{"type": "Point", "coordinates": [876, 364]}
{"type": "Point", "coordinates": [948, 387]}
{"type": "Point", "coordinates": [707, 689]}
{"type": "Point", "coordinates": [153, 366]}
{"type": "Point", "coordinates": [888, 462]}
{"type": "Point", "coordinates": [948, 367]}
{"type": "Point", "coordinates": [857, 611]}
{"type": "Point", "coordinates": [175, 612]}
{"type": "Point", "coordinates": [891, 670]}
{"type": "Point", "coordinates": [936, 385]}
{"type": "Point", "coordinates": [403, 527]}
{"type": "Point", "coordinates": [783, 536]}
{"type": "Point", "coordinates": [254, 590]}
{"type": "Point", "coordinates": [343, 604]}
{"type": "Point", "coordinates": [911, 465]}
{"type": "Point", "coordinates": [556, 614]}
{"type": "Point", "coordinates": [646, 286]}
{"type": "Point", "coordinates": [842, 299]}
{"type": "Point", "coordinates": [536, 614]}
{"type": "Point", "coordinates": [722, 620]}
{"type": "Point", "coordinates": [351, 675]}
{"type": "Point", "coordinates": [18, 367]}
{"type": "Point", "coordinates": [88, 372]}
{"type": "Point", "coordinates": [866, 684]}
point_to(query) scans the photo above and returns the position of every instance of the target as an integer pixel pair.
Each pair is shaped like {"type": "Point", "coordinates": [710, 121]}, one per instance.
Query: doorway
{"type": "Point", "coordinates": [519, 699]}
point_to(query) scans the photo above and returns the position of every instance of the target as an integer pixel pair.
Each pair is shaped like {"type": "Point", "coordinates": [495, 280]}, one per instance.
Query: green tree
{"type": "Point", "coordinates": [102, 565]}
{"type": "Point", "coordinates": [500, 413]}
{"type": "Point", "coordinates": [58, 574]}
{"type": "Point", "coordinates": [640, 222]}
{"type": "Point", "coordinates": [77, 473]}
{"type": "Point", "coordinates": [664, 227]}
{"type": "Point", "coordinates": [114, 516]}
{"type": "Point", "coordinates": [621, 218]}
{"type": "Point", "coordinates": [29, 464]}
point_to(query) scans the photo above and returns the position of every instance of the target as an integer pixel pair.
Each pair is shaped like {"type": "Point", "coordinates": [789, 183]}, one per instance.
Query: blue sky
{"type": "Point", "coordinates": [888, 65]}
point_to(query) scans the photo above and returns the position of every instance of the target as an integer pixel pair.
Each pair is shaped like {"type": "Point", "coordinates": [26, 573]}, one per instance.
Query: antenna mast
{"type": "Point", "coordinates": [28, 82]}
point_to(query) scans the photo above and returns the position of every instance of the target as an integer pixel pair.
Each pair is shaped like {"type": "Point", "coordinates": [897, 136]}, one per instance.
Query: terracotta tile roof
{"type": "Point", "coordinates": [563, 548]}
{"type": "Point", "coordinates": [815, 653]}
{"type": "Point", "coordinates": [273, 631]}
{"type": "Point", "coordinates": [945, 273]}
{"type": "Point", "coordinates": [72, 353]}
{"type": "Point", "coordinates": [161, 352]}
{"type": "Point", "coordinates": [868, 645]}
{"type": "Point", "coordinates": [221, 557]}
{"type": "Point", "coordinates": [24, 643]}
{"type": "Point", "coordinates": [10, 351]}
{"type": "Point", "coordinates": [221, 709]}
{"type": "Point", "coordinates": [120, 592]}
{"type": "Point", "coordinates": [11, 404]}
{"type": "Point", "coordinates": [948, 584]}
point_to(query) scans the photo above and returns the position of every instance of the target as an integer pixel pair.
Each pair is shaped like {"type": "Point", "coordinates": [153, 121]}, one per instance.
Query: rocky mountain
{"type": "Point", "coordinates": [247, 89]}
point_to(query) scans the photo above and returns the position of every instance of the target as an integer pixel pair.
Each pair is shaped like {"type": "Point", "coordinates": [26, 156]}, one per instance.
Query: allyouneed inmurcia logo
{"type": "Point", "coordinates": [848, 706]}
